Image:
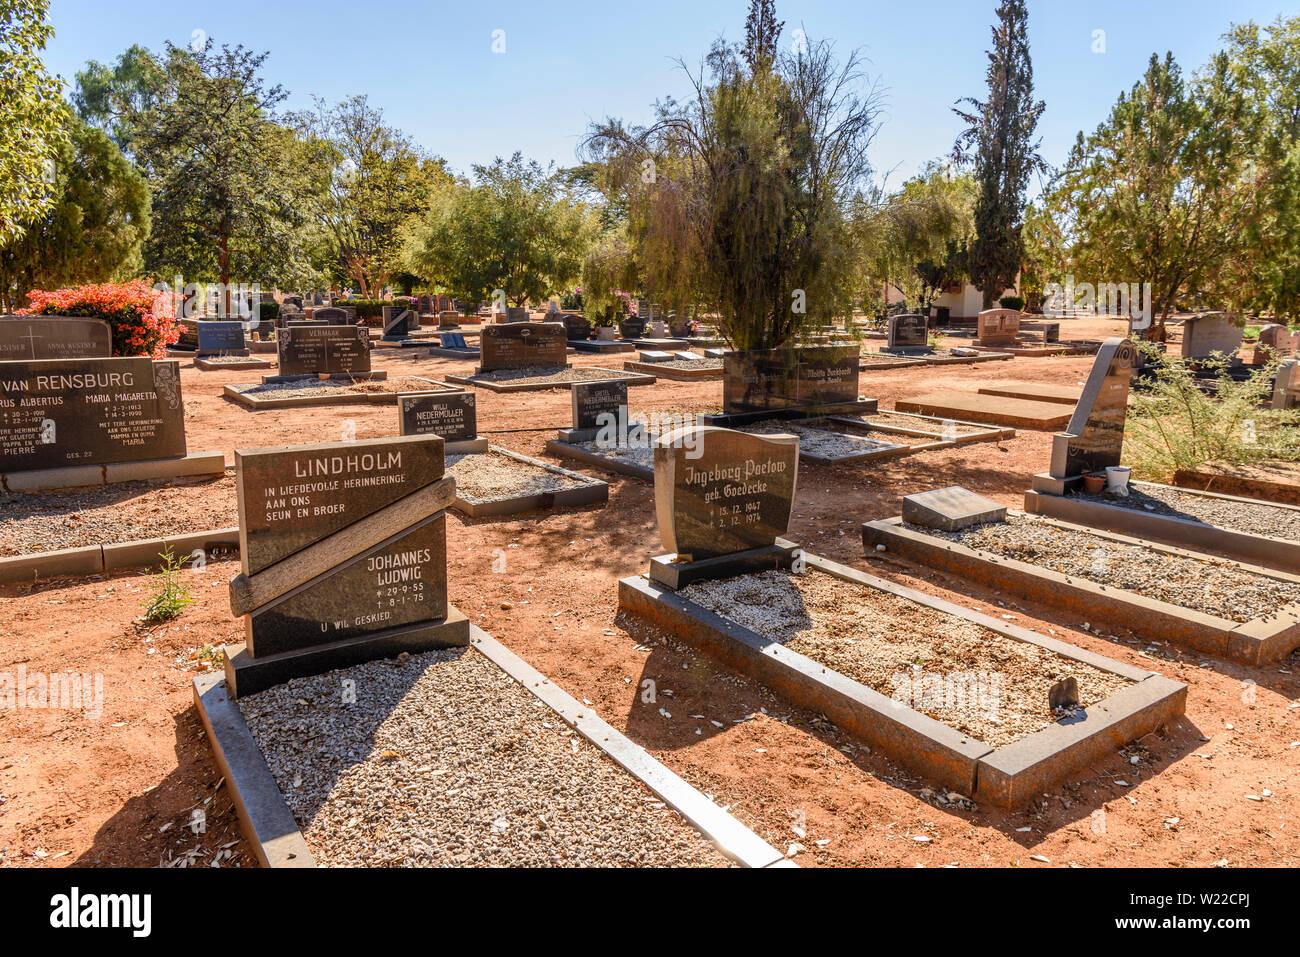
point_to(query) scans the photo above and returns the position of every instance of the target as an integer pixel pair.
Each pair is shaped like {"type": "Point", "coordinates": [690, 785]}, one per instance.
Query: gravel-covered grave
{"type": "Point", "coordinates": [443, 760]}
{"type": "Point", "coordinates": [1254, 518]}
{"type": "Point", "coordinates": [887, 643]}
{"type": "Point", "coordinates": [1212, 586]}
{"type": "Point", "coordinates": [829, 444]}
{"type": "Point", "coordinates": [935, 427]}
{"type": "Point", "coordinates": [311, 388]}
{"type": "Point", "coordinates": [127, 511]}
{"type": "Point", "coordinates": [489, 476]}
{"type": "Point", "coordinates": [539, 375]}
{"type": "Point", "coordinates": [692, 364]}
{"type": "Point", "coordinates": [641, 456]}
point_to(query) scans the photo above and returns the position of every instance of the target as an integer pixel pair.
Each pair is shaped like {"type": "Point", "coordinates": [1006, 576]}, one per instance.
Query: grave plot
{"type": "Point", "coordinates": [992, 710]}
{"type": "Point", "coordinates": [952, 357]}
{"type": "Point", "coordinates": [453, 345]}
{"type": "Point", "coordinates": [502, 482]}
{"type": "Point", "coordinates": [91, 530]}
{"type": "Point", "coordinates": [1242, 612]}
{"type": "Point", "coordinates": [222, 347]}
{"type": "Point", "coordinates": [943, 432]}
{"type": "Point", "coordinates": [675, 365]}
{"type": "Point", "coordinates": [231, 363]}
{"type": "Point", "coordinates": [299, 393]}
{"type": "Point", "coordinates": [988, 409]}
{"type": "Point", "coordinates": [1271, 481]}
{"type": "Point", "coordinates": [542, 378]}
{"type": "Point", "coordinates": [791, 383]}
{"type": "Point", "coordinates": [1034, 391]}
{"type": "Point", "coordinates": [826, 447]}
{"type": "Point", "coordinates": [883, 360]}
{"type": "Point", "coordinates": [1247, 530]}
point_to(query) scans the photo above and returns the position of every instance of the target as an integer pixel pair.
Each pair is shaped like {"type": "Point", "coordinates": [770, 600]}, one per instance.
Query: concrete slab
{"type": "Point", "coordinates": [990, 410]}
{"type": "Point", "coordinates": [1035, 391]}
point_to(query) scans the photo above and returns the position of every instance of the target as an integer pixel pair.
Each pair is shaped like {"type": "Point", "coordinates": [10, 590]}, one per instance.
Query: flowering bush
{"type": "Point", "coordinates": [571, 301]}
{"type": "Point", "coordinates": [141, 318]}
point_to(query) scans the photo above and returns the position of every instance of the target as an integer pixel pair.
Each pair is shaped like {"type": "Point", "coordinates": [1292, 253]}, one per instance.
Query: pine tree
{"type": "Point", "coordinates": [999, 142]}
{"type": "Point", "coordinates": [762, 31]}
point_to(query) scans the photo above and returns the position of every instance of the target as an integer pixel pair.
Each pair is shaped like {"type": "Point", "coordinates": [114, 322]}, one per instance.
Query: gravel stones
{"type": "Point", "coordinates": [537, 375]}
{"type": "Point", "coordinates": [443, 760]}
{"type": "Point", "coordinates": [488, 477]}
{"type": "Point", "coordinates": [1212, 586]}
{"type": "Point", "coordinates": [823, 443]}
{"type": "Point", "coordinates": [907, 651]}
{"type": "Point", "coordinates": [310, 388]}
{"type": "Point", "coordinates": [1256, 519]}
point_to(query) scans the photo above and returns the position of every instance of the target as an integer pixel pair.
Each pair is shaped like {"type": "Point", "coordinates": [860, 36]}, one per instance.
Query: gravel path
{"type": "Point", "coordinates": [1211, 586]}
{"type": "Point", "coordinates": [821, 442]}
{"type": "Point", "coordinates": [970, 678]}
{"type": "Point", "coordinates": [313, 387]}
{"type": "Point", "coordinates": [129, 511]}
{"type": "Point", "coordinates": [1259, 519]}
{"type": "Point", "coordinates": [487, 477]}
{"type": "Point", "coordinates": [445, 761]}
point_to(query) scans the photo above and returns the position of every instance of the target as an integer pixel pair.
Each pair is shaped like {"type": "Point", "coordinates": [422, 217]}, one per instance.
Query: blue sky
{"type": "Point", "coordinates": [431, 65]}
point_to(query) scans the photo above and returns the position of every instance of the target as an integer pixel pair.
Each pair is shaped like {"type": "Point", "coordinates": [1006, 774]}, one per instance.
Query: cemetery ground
{"type": "Point", "coordinates": [1217, 787]}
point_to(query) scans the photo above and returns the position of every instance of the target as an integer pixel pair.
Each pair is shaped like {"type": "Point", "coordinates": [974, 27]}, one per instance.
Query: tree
{"type": "Point", "coordinates": [222, 174]}
{"type": "Point", "coordinates": [999, 143]}
{"type": "Point", "coordinates": [516, 231]}
{"type": "Point", "coordinates": [30, 119]}
{"type": "Point", "coordinates": [112, 98]}
{"type": "Point", "coordinates": [1157, 193]}
{"type": "Point", "coordinates": [373, 186]}
{"type": "Point", "coordinates": [762, 32]}
{"type": "Point", "coordinates": [736, 198]}
{"type": "Point", "coordinates": [95, 229]}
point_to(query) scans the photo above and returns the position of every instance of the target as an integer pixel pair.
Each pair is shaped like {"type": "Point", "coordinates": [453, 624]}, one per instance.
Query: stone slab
{"type": "Point", "coordinates": [33, 338]}
{"type": "Point", "coordinates": [1034, 391]}
{"type": "Point", "coordinates": [952, 509]}
{"type": "Point", "coordinates": [989, 410]}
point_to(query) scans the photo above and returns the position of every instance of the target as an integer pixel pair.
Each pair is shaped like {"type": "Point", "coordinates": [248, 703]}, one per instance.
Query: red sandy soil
{"type": "Point", "coordinates": [120, 790]}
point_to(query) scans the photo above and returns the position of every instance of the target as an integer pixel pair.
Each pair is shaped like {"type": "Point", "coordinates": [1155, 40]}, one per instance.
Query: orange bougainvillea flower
{"type": "Point", "coordinates": [142, 318]}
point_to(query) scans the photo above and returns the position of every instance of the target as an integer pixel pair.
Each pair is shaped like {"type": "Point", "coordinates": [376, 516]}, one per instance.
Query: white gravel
{"type": "Point", "coordinates": [443, 760]}
{"type": "Point", "coordinates": [822, 442]}
{"type": "Point", "coordinates": [489, 477]}
{"type": "Point", "coordinates": [1256, 519]}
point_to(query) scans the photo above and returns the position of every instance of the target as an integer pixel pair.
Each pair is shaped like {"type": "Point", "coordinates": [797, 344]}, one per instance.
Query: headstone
{"type": "Point", "coordinates": [655, 355]}
{"type": "Point", "coordinates": [632, 327]}
{"type": "Point", "coordinates": [315, 350]}
{"type": "Point", "coordinates": [909, 333]}
{"type": "Point", "coordinates": [719, 492]}
{"type": "Point", "coordinates": [576, 326]}
{"type": "Point", "coordinates": [453, 340]}
{"type": "Point", "coordinates": [517, 314]}
{"type": "Point", "coordinates": [952, 509]}
{"type": "Point", "coordinates": [1286, 390]}
{"type": "Point", "coordinates": [334, 315]}
{"type": "Point", "coordinates": [399, 323]}
{"type": "Point", "coordinates": [1094, 439]}
{"type": "Point", "coordinates": [221, 338]}
{"type": "Point", "coordinates": [519, 345]}
{"type": "Point", "coordinates": [1209, 333]}
{"type": "Point", "coordinates": [452, 415]}
{"type": "Point", "coordinates": [811, 377]}
{"type": "Point", "coordinates": [188, 339]}
{"type": "Point", "coordinates": [54, 337]}
{"type": "Point", "coordinates": [1064, 693]}
{"type": "Point", "coordinates": [448, 318]}
{"type": "Point", "coordinates": [64, 412]}
{"type": "Point", "coordinates": [1274, 340]}
{"type": "Point", "coordinates": [997, 327]}
{"type": "Point", "coordinates": [381, 586]}
{"type": "Point", "coordinates": [596, 399]}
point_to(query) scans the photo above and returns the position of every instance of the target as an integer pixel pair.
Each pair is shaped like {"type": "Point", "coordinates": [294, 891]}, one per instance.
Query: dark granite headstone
{"type": "Point", "coordinates": [221, 338]}
{"type": "Point", "coordinates": [718, 492]}
{"type": "Point", "coordinates": [811, 377]}
{"type": "Point", "coordinates": [452, 415]}
{"type": "Point", "coordinates": [591, 400]}
{"type": "Point", "coordinates": [331, 314]}
{"type": "Point", "coordinates": [517, 345]}
{"type": "Point", "coordinates": [188, 340]}
{"type": "Point", "coordinates": [65, 412]}
{"type": "Point", "coordinates": [315, 349]}
{"type": "Point", "coordinates": [631, 327]}
{"type": "Point", "coordinates": [1094, 438]}
{"type": "Point", "coordinates": [400, 322]}
{"type": "Point", "coordinates": [909, 332]}
{"type": "Point", "coordinates": [34, 338]}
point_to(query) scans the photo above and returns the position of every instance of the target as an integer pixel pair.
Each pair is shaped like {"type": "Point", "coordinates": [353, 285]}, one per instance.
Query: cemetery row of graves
{"type": "Point", "coordinates": [511, 593]}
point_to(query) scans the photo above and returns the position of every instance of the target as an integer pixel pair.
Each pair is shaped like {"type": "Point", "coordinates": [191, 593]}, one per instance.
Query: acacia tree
{"type": "Point", "coordinates": [736, 198]}
{"type": "Point", "coordinates": [93, 232]}
{"type": "Point", "coordinates": [999, 144]}
{"type": "Point", "coordinates": [30, 117]}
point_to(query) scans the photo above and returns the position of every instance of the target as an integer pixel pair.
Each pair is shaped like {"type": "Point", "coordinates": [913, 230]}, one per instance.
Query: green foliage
{"type": "Point", "coordinates": [111, 98]}
{"type": "Point", "coordinates": [31, 130]}
{"type": "Point", "coordinates": [1012, 302]}
{"type": "Point", "coordinates": [268, 311]}
{"type": "Point", "coordinates": [1175, 424]}
{"type": "Point", "coordinates": [95, 228]}
{"type": "Point", "coordinates": [168, 595]}
{"type": "Point", "coordinates": [999, 142]}
{"type": "Point", "coordinates": [735, 200]}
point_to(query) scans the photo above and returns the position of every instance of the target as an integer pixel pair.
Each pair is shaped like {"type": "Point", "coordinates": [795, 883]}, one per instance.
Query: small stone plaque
{"type": "Point", "coordinates": [452, 415]}
{"type": "Point", "coordinates": [592, 400]}
{"type": "Point", "coordinates": [518, 345]}
{"type": "Point", "coordinates": [64, 412]}
{"type": "Point", "coordinates": [315, 349]}
{"type": "Point", "coordinates": [290, 497]}
{"type": "Point", "coordinates": [655, 355]}
{"type": "Point", "coordinates": [1094, 439]}
{"type": "Point", "coordinates": [221, 338]}
{"type": "Point", "coordinates": [686, 356]}
{"type": "Point", "coordinates": [952, 509]}
{"type": "Point", "coordinates": [53, 337]}
{"type": "Point", "coordinates": [719, 492]}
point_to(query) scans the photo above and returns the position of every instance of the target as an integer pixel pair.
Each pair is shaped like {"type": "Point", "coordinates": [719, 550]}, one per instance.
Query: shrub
{"type": "Point", "coordinates": [168, 596]}
{"type": "Point", "coordinates": [571, 301]}
{"type": "Point", "coordinates": [1175, 423]}
{"type": "Point", "coordinates": [141, 318]}
{"type": "Point", "coordinates": [269, 311]}
{"type": "Point", "coordinates": [1012, 302]}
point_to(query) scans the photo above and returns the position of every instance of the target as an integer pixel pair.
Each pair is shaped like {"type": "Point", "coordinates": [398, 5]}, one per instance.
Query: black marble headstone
{"type": "Point", "coordinates": [313, 349]}
{"type": "Point", "coordinates": [452, 415]}
{"type": "Point", "coordinates": [221, 338]}
{"type": "Point", "coordinates": [592, 400]}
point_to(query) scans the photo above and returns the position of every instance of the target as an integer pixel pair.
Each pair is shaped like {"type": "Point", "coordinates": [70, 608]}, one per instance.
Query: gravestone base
{"type": "Point", "coordinates": [1047, 484]}
{"type": "Point", "coordinates": [247, 675]}
{"type": "Point", "coordinates": [466, 446]}
{"type": "Point", "coordinates": [204, 364]}
{"type": "Point", "coordinates": [601, 346]}
{"type": "Point", "coordinates": [84, 476]}
{"type": "Point", "coordinates": [378, 375]}
{"type": "Point", "coordinates": [666, 571]}
{"type": "Point", "coordinates": [907, 350]}
{"type": "Point", "coordinates": [635, 434]}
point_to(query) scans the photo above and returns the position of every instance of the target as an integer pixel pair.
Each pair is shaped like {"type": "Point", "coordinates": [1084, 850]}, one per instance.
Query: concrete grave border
{"type": "Point", "coordinates": [679, 375]}
{"type": "Point", "coordinates": [1278, 553]}
{"type": "Point", "coordinates": [589, 494]}
{"type": "Point", "coordinates": [1240, 485]}
{"type": "Point", "coordinates": [577, 453]}
{"type": "Point", "coordinates": [632, 378]}
{"type": "Point", "coordinates": [1253, 642]}
{"type": "Point", "coordinates": [110, 473]}
{"type": "Point", "coordinates": [308, 401]}
{"type": "Point", "coordinates": [275, 840]}
{"type": "Point", "coordinates": [986, 433]}
{"type": "Point", "coordinates": [1006, 777]}
{"type": "Point", "coordinates": [110, 556]}
{"type": "Point", "coordinates": [1046, 417]}
{"type": "Point", "coordinates": [244, 364]}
